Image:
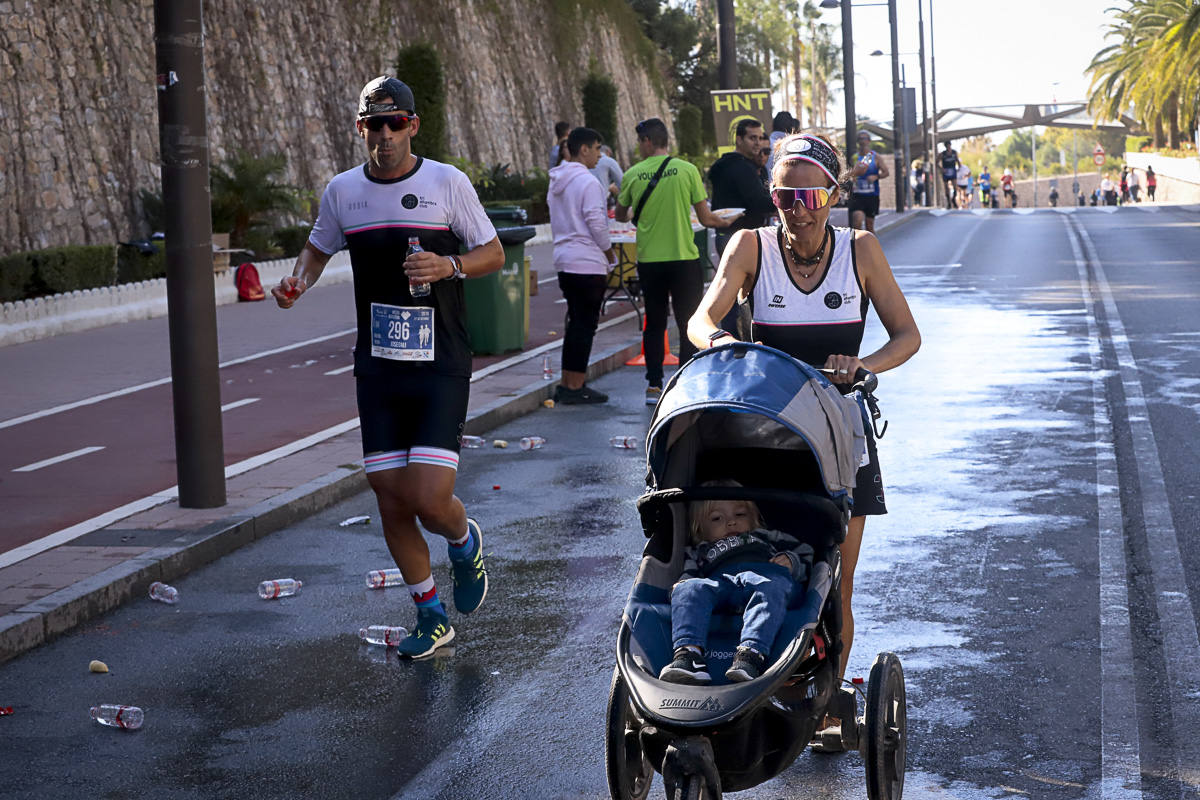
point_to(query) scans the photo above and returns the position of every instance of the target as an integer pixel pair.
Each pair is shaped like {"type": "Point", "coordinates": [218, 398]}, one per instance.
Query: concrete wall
{"type": "Point", "coordinates": [79, 117]}
{"type": "Point", "coordinates": [1178, 178]}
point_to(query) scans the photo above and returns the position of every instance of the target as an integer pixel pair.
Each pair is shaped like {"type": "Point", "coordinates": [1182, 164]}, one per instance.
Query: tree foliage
{"type": "Point", "coordinates": [246, 193]}
{"type": "Point", "coordinates": [420, 66]}
{"type": "Point", "coordinates": [600, 106]}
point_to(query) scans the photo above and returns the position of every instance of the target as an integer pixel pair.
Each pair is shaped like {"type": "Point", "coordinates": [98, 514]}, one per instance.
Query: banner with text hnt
{"type": "Point", "coordinates": [731, 106]}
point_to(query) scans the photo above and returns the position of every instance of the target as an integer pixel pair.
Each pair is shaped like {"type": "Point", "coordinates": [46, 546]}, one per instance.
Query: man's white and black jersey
{"type": "Point", "coordinates": [829, 319]}
{"type": "Point", "coordinates": [374, 218]}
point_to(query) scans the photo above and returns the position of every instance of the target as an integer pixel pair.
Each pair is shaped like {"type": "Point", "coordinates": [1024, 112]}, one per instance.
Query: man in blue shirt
{"type": "Point", "coordinates": [864, 197]}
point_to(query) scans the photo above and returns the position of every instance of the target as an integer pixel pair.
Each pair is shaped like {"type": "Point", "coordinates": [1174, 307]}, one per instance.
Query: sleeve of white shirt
{"type": "Point", "coordinates": [595, 214]}
{"type": "Point", "coordinates": [468, 220]}
{"type": "Point", "coordinates": [326, 234]}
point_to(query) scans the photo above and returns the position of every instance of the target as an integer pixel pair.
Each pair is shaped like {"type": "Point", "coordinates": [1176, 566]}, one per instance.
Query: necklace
{"type": "Point", "coordinates": [808, 262]}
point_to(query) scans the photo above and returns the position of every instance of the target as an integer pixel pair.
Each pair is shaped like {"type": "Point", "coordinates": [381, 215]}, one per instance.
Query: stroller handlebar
{"type": "Point", "coordinates": [864, 380]}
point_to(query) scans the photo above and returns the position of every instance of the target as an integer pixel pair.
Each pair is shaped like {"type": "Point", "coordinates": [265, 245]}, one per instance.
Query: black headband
{"type": "Point", "coordinates": [813, 149]}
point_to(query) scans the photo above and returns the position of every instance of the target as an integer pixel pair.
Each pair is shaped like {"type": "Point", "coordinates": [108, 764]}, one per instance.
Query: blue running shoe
{"type": "Point", "coordinates": [469, 574]}
{"type": "Point", "coordinates": [431, 632]}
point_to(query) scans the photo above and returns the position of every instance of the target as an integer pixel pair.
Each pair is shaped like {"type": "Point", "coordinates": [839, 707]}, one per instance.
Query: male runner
{"type": "Point", "coordinates": [985, 187]}
{"type": "Point", "coordinates": [948, 159]}
{"type": "Point", "coordinates": [864, 199]}
{"type": "Point", "coordinates": [412, 389]}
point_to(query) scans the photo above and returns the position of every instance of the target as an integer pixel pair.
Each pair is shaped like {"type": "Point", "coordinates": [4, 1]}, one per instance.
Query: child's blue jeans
{"type": "Point", "coordinates": [762, 588]}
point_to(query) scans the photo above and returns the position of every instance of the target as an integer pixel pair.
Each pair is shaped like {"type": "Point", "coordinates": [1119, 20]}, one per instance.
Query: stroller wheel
{"type": "Point", "coordinates": [629, 771]}
{"type": "Point", "coordinates": [886, 729]}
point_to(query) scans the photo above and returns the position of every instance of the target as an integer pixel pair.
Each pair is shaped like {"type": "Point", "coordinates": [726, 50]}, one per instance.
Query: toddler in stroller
{"type": "Point", "coordinates": [753, 415]}
{"type": "Point", "coordinates": [733, 561]}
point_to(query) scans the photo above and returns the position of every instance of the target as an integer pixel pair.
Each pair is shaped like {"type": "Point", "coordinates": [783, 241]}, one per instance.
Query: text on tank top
{"type": "Point", "coordinates": [812, 325]}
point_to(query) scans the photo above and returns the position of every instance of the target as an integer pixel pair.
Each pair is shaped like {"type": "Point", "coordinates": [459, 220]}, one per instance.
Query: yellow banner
{"type": "Point", "coordinates": [731, 106]}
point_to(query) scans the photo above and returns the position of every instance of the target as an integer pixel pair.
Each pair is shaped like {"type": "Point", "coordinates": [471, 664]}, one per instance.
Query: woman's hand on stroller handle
{"type": "Point", "coordinates": [863, 379]}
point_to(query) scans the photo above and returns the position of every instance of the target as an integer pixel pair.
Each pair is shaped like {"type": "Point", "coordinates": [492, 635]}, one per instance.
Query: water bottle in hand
{"type": "Point", "coordinates": [416, 289]}
{"type": "Point", "coordinates": [385, 635]}
{"type": "Point", "coordinates": [284, 587]}
{"type": "Point", "coordinates": [114, 716]}
{"type": "Point", "coordinates": [473, 441]}
{"type": "Point", "coordinates": [532, 442]}
{"type": "Point", "coordinates": [625, 442]}
{"type": "Point", "coordinates": [163, 593]}
{"type": "Point", "coordinates": [383, 578]}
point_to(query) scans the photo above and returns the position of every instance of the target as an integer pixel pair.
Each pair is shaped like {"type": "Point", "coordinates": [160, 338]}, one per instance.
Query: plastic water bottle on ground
{"type": "Point", "coordinates": [473, 441]}
{"type": "Point", "coordinates": [383, 578]}
{"type": "Point", "coordinates": [163, 593]}
{"type": "Point", "coordinates": [283, 587]}
{"type": "Point", "coordinates": [625, 442]}
{"type": "Point", "coordinates": [547, 370]}
{"type": "Point", "coordinates": [416, 289]}
{"type": "Point", "coordinates": [532, 442]}
{"type": "Point", "coordinates": [386, 635]}
{"type": "Point", "coordinates": [128, 717]}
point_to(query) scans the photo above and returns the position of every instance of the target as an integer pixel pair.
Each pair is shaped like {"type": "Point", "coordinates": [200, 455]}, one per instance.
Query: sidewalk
{"type": "Point", "coordinates": [47, 594]}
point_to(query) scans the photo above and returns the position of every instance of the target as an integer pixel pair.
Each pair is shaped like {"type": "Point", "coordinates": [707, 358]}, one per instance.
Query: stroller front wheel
{"type": "Point", "coordinates": [629, 771]}
{"type": "Point", "coordinates": [886, 729]}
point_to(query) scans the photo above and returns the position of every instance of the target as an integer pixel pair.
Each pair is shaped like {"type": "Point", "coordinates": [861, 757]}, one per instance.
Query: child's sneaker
{"type": "Point", "coordinates": [468, 573]}
{"type": "Point", "coordinates": [689, 666]}
{"type": "Point", "coordinates": [431, 632]}
{"type": "Point", "coordinates": [747, 665]}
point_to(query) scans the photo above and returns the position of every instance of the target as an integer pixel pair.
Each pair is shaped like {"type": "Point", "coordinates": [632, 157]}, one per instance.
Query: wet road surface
{"type": "Point", "coordinates": [1019, 574]}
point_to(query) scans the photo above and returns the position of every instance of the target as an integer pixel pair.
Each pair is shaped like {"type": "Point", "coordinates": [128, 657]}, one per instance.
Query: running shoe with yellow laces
{"type": "Point", "coordinates": [431, 632]}
{"type": "Point", "coordinates": [468, 572]}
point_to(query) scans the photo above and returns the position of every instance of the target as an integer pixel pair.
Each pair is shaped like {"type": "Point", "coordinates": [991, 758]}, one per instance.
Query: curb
{"type": "Point", "coordinates": [41, 621]}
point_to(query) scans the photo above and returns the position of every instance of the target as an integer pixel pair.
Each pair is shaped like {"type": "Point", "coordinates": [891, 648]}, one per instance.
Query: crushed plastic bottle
{"type": "Point", "coordinates": [163, 593]}
{"type": "Point", "coordinates": [114, 716]}
{"type": "Point", "coordinates": [473, 441]}
{"type": "Point", "coordinates": [547, 370]}
{"type": "Point", "coordinates": [416, 289]}
{"type": "Point", "coordinates": [383, 578]}
{"type": "Point", "coordinates": [625, 442]}
{"type": "Point", "coordinates": [386, 635]}
{"type": "Point", "coordinates": [360, 520]}
{"type": "Point", "coordinates": [283, 587]}
{"type": "Point", "coordinates": [532, 442]}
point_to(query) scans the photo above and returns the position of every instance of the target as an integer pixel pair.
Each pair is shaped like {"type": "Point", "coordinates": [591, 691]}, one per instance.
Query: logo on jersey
{"type": "Point", "coordinates": [357, 205]}
{"type": "Point", "coordinates": [777, 302]}
{"type": "Point", "coordinates": [833, 300]}
{"type": "Point", "coordinates": [409, 201]}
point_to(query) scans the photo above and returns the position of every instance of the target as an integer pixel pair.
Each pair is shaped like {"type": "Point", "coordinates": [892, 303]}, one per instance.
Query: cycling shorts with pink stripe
{"type": "Point", "coordinates": [411, 419]}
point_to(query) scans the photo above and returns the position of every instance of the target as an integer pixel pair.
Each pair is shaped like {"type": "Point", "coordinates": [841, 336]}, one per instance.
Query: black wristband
{"type": "Point", "coordinates": [717, 334]}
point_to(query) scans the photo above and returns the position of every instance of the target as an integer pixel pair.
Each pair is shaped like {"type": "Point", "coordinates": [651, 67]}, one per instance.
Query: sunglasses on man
{"type": "Point", "coordinates": [813, 198]}
{"type": "Point", "coordinates": [395, 122]}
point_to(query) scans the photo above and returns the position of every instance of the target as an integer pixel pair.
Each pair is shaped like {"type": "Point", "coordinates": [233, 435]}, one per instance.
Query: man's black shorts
{"type": "Point", "coordinates": [400, 412]}
{"type": "Point", "coordinates": [866, 203]}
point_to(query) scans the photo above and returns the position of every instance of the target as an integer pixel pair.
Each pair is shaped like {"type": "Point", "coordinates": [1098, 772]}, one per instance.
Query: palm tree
{"type": "Point", "coordinates": [245, 192]}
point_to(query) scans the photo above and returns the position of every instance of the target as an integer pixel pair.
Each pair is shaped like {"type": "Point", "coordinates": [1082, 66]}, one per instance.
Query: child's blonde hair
{"type": "Point", "coordinates": [699, 509]}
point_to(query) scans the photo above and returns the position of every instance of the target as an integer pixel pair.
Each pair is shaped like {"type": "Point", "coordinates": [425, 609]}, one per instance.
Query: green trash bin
{"type": "Point", "coordinates": [506, 216]}
{"type": "Point", "coordinates": [498, 304]}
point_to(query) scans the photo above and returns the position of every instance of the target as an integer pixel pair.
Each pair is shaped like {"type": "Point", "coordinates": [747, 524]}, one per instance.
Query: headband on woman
{"type": "Point", "coordinates": [813, 149]}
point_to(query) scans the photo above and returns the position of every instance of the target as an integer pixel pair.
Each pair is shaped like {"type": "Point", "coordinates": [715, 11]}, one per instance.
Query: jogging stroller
{"type": "Point", "coordinates": [775, 425]}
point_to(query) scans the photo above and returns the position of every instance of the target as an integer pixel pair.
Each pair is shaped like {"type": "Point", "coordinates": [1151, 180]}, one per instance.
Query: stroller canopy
{"type": "Point", "coordinates": [750, 396]}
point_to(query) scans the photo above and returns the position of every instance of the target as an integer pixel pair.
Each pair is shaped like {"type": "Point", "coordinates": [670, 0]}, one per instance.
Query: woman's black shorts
{"type": "Point", "coordinates": [866, 203]}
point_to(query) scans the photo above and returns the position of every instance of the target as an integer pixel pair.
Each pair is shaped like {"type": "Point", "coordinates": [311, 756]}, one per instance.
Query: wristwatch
{"type": "Point", "coordinates": [458, 271]}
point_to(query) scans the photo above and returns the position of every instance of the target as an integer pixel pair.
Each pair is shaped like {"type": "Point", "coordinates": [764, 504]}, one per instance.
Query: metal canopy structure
{"type": "Point", "coordinates": [962, 123]}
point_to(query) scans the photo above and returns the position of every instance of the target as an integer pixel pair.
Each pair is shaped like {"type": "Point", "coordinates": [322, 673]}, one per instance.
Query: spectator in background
{"type": "Point", "coordinates": [1124, 185]}
{"type": "Point", "coordinates": [1151, 182]}
{"type": "Point", "coordinates": [782, 125]}
{"type": "Point", "coordinates": [917, 181]}
{"type": "Point", "coordinates": [608, 172]}
{"type": "Point", "coordinates": [1108, 188]}
{"type": "Point", "coordinates": [736, 182]}
{"type": "Point", "coordinates": [582, 257]}
{"type": "Point", "coordinates": [764, 157]}
{"type": "Point", "coordinates": [1135, 185]}
{"type": "Point", "coordinates": [560, 137]}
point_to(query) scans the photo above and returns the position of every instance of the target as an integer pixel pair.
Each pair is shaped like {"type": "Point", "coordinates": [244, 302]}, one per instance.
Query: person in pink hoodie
{"type": "Point", "coordinates": [583, 255]}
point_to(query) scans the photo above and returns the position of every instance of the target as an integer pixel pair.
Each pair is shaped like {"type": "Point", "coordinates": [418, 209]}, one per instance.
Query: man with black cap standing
{"type": "Point", "coordinates": [412, 387]}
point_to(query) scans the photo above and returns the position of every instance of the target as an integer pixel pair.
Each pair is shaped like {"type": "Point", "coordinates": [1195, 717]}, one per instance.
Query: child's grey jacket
{"type": "Point", "coordinates": [759, 545]}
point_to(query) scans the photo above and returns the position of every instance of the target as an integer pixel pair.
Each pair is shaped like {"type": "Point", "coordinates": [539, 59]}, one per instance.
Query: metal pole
{"type": "Point", "coordinates": [924, 107]}
{"type": "Point", "coordinates": [812, 72]}
{"type": "Point", "coordinates": [1033, 138]}
{"type": "Point", "coordinates": [848, 77]}
{"type": "Point", "coordinates": [1075, 167]}
{"type": "Point", "coordinates": [907, 155]}
{"type": "Point", "coordinates": [897, 110]}
{"type": "Point", "coordinates": [726, 45]}
{"type": "Point", "coordinates": [933, 97]}
{"type": "Point", "coordinates": [191, 303]}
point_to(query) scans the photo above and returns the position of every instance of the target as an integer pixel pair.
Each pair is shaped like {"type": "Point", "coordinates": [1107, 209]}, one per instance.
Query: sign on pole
{"type": "Point", "coordinates": [1098, 155]}
{"type": "Point", "coordinates": [731, 106]}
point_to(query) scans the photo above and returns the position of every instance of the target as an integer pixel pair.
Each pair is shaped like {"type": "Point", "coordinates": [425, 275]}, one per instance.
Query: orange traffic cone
{"type": "Point", "coordinates": [669, 358]}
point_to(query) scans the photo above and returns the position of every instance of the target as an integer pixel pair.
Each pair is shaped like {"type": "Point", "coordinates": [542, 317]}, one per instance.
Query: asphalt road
{"type": "Point", "coordinates": [1040, 467]}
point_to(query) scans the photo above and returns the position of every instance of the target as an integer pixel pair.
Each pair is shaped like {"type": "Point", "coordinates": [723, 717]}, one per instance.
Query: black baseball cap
{"type": "Point", "coordinates": [372, 99]}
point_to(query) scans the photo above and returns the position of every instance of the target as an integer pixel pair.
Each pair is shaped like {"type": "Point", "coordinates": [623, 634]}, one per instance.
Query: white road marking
{"type": "Point", "coordinates": [340, 370]}
{"type": "Point", "coordinates": [161, 381]}
{"type": "Point", "coordinates": [1180, 642]}
{"type": "Point", "coordinates": [239, 403]}
{"type": "Point", "coordinates": [166, 495]}
{"type": "Point", "coordinates": [1120, 750]}
{"type": "Point", "coordinates": [926, 266]}
{"type": "Point", "coordinates": [83, 451]}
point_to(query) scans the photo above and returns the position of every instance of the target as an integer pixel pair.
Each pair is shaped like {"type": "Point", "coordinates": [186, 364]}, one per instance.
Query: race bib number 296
{"type": "Point", "coordinates": [402, 333]}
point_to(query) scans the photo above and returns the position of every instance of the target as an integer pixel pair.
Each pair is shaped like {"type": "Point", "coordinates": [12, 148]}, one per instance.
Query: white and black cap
{"type": "Point", "coordinates": [375, 95]}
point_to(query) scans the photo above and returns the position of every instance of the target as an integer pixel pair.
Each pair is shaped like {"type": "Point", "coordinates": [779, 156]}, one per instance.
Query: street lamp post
{"type": "Point", "coordinates": [937, 183]}
{"type": "Point", "coordinates": [897, 110]}
{"type": "Point", "coordinates": [924, 109]}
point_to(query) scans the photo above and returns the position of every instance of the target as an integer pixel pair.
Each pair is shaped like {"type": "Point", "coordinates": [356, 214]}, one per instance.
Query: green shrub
{"type": "Point", "coordinates": [290, 240]}
{"type": "Point", "coordinates": [16, 273]}
{"type": "Point", "coordinates": [134, 266]}
{"type": "Point", "coordinates": [65, 269]}
{"type": "Point", "coordinates": [600, 106]}
{"type": "Point", "coordinates": [688, 134]}
{"type": "Point", "coordinates": [419, 66]}
{"type": "Point", "coordinates": [1134, 144]}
